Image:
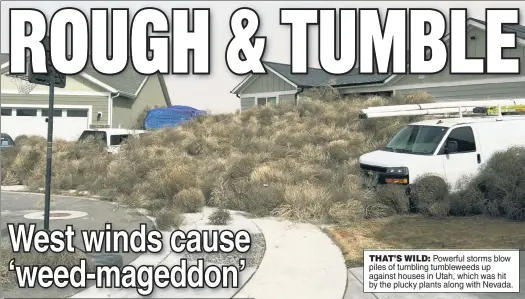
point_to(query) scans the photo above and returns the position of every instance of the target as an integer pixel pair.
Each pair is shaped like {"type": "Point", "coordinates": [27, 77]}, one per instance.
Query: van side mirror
{"type": "Point", "coordinates": [451, 147]}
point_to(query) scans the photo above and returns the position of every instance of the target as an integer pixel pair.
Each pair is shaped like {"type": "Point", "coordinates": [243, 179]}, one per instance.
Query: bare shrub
{"type": "Point", "coordinates": [295, 161]}
{"type": "Point", "coordinates": [138, 122]}
{"type": "Point", "coordinates": [168, 219]}
{"type": "Point", "coordinates": [220, 217]}
{"type": "Point", "coordinates": [498, 190]}
{"type": "Point", "coordinates": [305, 202]}
{"type": "Point", "coordinates": [347, 212]}
{"type": "Point", "coordinates": [394, 196]}
{"type": "Point", "coordinates": [412, 98]}
{"type": "Point", "coordinates": [189, 200]}
{"type": "Point", "coordinates": [325, 93]}
{"type": "Point", "coordinates": [426, 191]}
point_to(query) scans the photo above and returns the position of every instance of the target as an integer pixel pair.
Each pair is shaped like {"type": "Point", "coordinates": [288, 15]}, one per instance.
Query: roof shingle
{"type": "Point", "coordinates": [318, 77]}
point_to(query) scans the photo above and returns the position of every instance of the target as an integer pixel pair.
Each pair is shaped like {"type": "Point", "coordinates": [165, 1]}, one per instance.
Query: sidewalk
{"type": "Point", "coordinates": [354, 290]}
{"type": "Point", "coordinates": [197, 221]}
{"type": "Point", "coordinates": [300, 262]}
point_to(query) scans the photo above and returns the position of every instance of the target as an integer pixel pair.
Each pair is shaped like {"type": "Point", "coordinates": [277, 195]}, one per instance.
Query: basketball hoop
{"type": "Point", "coordinates": [23, 86]}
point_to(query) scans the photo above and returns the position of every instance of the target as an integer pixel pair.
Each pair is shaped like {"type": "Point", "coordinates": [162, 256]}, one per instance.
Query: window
{"type": "Point", "coordinates": [25, 112]}
{"type": "Point", "coordinates": [117, 139]}
{"type": "Point", "coordinates": [77, 113]}
{"type": "Point", "coordinates": [465, 139]}
{"type": "Point", "coordinates": [56, 113]}
{"type": "Point", "coordinates": [419, 140]}
{"type": "Point", "coordinates": [7, 112]}
{"type": "Point", "coordinates": [264, 101]}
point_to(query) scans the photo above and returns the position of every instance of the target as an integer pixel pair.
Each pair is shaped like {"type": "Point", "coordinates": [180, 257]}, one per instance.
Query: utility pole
{"type": "Point", "coordinates": [49, 154]}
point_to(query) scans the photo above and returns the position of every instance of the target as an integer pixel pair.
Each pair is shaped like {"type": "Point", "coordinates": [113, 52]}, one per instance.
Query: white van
{"type": "Point", "coordinates": [450, 148]}
{"type": "Point", "coordinates": [112, 138]}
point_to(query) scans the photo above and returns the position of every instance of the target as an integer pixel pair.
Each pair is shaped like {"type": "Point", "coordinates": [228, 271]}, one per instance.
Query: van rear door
{"type": "Point", "coordinates": [465, 161]}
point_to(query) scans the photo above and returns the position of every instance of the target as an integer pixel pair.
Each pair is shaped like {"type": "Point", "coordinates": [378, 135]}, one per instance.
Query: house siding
{"type": "Point", "coordinates": [150, 96]}
{"type": "Point", "coordinates": [247, 103]}
{"type": "Point", "coordinates": [287, 98]}
{"type": "Point", "coordinates": [121, 112]}
{"type": "Point", "coordinates": [473, 92]}
{"type": "Point", "coordinates": [98, 103]}
{"type": "Point", "coordinates": [267, 83]}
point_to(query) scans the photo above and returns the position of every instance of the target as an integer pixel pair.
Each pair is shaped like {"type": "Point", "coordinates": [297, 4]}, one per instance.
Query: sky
{"type": "Point", "coordinates": [212, 92]}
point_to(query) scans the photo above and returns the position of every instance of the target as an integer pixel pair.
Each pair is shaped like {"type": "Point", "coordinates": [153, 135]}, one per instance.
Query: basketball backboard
{"type": "Point", "coordinates": [44, 79]}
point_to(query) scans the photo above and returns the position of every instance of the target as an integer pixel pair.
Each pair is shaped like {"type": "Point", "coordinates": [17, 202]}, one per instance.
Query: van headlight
{"type": "Point", "coordinates": [397, 170]}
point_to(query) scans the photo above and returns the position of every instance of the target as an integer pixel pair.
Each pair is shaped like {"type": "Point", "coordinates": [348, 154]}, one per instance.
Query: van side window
{"type": "Point", "coordinates": [465, 139]}
{"type": "Point", "coordinates": [117, 139]}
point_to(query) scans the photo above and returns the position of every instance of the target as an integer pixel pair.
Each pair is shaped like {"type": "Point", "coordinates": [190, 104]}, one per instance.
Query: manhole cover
{"type": "Point", "coordinates": [56, 215]}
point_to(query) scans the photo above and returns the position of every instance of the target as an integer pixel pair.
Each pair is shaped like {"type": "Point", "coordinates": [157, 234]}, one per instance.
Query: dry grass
{"type": "Point", "coordinates": [297, 162]}
{"type": "Point", "coordinates": [167, 219]}
{"type": "Point", "coordinates": [420, 232]}
{"type": "Point", "coordinates": [220, 217]}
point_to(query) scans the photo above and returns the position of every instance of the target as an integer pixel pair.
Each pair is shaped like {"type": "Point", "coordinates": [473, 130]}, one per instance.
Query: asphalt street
{"type": "Point", "coordinates": [81, 213]}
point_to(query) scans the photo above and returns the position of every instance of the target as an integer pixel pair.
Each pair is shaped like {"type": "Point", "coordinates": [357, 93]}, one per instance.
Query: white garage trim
{"type": "Point", "coordinates": [89, 108]}
{"type": "Point", "coordinates": [60, 92]}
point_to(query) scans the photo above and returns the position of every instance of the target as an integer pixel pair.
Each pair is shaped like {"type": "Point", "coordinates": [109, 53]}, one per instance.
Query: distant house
{"type": "Point", "coordinates": [89, 100]}
{"type": "Point", "coordinates": [280, 85]}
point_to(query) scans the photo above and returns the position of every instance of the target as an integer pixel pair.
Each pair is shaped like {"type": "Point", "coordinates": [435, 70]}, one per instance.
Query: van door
{"type": "Point", "coordinates": [464, 161]}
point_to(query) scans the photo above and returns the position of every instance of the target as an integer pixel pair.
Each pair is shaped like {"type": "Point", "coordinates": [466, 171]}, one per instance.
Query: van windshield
{"type": "Point", "coordinates": [418, 140]}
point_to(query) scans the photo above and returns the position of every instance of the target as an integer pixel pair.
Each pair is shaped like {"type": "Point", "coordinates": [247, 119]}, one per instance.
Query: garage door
{"type": "Point", "coordinates": [68, 123]}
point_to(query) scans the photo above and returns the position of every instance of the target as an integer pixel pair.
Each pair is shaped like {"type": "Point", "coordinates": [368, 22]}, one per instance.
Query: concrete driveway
{"type": "Point", "coordinates": [354, 289]}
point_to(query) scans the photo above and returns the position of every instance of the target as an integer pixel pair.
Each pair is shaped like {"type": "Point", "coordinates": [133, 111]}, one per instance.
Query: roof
{"type": "Point", "coordinates": [317, 77]}
{"type": "Point", "coordinates": [518, 29]}
{"type": "Point", "coordinates": [128, 83]}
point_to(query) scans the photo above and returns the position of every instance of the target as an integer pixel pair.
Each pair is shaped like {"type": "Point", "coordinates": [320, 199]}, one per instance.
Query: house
{"type": "Point", "coordinates": [89, 100]}
{"type": "Point", "coordinates": [280, 85]}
